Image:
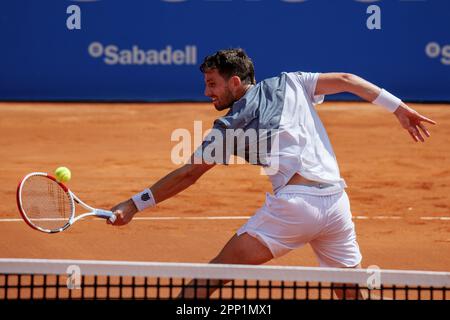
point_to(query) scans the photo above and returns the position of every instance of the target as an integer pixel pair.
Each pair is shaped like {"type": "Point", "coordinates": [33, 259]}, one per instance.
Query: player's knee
{"type": "Point", "coordinates": [243, 249]}
{"type": "Point", "coordinates": [229, 258]}
{"type": "Point", "coordinates": [231, 255]}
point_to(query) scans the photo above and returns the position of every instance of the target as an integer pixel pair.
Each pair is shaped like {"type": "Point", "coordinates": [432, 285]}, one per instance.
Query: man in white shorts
{"type": "Point", "coordinates": [309, 204]}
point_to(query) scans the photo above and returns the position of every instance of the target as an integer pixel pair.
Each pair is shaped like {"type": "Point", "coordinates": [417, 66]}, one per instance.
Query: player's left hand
{"type": "Point", "coordinates": [124, 212]}
{"type": "Point", "coordinates": [411, 120]}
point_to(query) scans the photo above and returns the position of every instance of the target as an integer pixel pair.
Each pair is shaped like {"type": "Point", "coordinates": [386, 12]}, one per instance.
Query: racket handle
{"type": "Point", "coordinates": [113, 218]}
{"type": "Point", "coordinates": [106, 214]}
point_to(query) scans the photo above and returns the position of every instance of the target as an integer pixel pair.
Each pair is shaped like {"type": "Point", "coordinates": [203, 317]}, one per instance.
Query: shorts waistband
{"type": "Point", "coordinates": [322, 189]}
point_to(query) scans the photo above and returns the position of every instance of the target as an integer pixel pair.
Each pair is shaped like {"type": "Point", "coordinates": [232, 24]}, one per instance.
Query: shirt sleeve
{"type": "Point", "coordinates": [213, 149]}
{"type": "Point", "coordinates": [308, 81]}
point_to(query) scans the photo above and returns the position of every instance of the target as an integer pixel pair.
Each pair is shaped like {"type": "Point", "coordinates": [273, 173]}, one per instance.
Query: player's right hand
{"type": "Point", "coordinates": [411, 120]}
{"type": "Point", "coordinates": [124, 213]}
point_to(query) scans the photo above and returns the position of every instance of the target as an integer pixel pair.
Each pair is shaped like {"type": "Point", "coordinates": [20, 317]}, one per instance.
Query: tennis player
{"type": "Point", "coordinates": [309, 204]}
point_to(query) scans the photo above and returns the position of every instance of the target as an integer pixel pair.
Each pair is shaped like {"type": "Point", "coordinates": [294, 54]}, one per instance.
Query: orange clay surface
{"type": "Point", "coordinates": [399, 190]}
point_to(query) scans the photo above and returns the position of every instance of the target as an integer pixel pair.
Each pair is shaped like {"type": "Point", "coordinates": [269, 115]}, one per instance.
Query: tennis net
{"type": "Point", "coordinates": [86, 279]}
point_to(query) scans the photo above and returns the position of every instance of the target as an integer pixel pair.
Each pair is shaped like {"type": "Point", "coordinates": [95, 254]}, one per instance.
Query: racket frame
{"type": "Point", "coordinates": [106, 214]}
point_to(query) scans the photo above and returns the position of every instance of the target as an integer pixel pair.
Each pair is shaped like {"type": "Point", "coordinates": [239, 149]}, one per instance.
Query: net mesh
{"type": "Point", "coordinates": [45, 203]}
{"type": "Point", "coordinates": [65, 279]}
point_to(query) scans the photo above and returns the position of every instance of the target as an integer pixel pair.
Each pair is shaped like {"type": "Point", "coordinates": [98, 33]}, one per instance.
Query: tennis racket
{"type": "Point", "coordinates": [48, 205]}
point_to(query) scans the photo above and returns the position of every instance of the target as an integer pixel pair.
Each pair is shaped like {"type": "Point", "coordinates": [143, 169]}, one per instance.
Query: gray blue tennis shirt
{"type": "Point", "coordinates": [275, 125]}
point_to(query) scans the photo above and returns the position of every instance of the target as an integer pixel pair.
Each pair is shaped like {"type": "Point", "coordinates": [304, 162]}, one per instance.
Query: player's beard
{"type": "Point", "coordinates": [225, 101]}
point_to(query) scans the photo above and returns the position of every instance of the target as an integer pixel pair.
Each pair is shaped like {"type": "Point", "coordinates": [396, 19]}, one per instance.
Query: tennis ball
{"type": "Point", "coordinates": [62, 174]}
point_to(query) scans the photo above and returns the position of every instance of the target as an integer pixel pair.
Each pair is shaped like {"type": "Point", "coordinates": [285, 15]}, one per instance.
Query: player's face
{"type": "Point", "coordinates": [218, 89]}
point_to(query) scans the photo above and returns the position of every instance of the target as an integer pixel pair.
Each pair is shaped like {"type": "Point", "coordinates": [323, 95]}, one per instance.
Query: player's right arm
{"type": "Point", "coordinates": [167, 187]}
{"type": "Point", "coordinates": [332, 83]}
{"type": "Point", "coordinates": [410, 120]}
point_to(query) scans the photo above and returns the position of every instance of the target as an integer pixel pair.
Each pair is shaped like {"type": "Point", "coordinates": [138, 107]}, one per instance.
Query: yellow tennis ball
{"type": "Point", "coordinates": [62, 174]}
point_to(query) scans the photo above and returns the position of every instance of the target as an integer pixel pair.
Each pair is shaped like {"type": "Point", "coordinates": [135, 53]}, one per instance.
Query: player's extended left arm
{"type": "Point", "coordinates": [411, 120]}
{"type": "Point", "coordinates": [167, 187]}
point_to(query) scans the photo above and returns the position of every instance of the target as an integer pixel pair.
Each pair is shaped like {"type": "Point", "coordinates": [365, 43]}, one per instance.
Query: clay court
{"type": "Point", "coordinates": [399, 190]}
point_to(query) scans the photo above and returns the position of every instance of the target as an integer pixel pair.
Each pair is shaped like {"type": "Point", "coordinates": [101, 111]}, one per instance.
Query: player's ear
{"type": "Point", "coordinates": [235, 81]}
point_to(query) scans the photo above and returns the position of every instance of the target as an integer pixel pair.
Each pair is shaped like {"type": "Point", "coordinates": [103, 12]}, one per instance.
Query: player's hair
{"type": "Point", "coordinates": [229, 63]}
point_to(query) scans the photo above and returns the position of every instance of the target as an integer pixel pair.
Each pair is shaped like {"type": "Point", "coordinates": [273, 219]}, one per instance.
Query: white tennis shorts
{"type": "Point", "coordinates": [298, 215]}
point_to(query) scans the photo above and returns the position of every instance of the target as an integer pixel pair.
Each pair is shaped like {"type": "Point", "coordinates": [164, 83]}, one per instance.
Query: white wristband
{"type": "Point", "coordinates": [144, 200]}
{"type": "Point", "coordinates": [387, 100]}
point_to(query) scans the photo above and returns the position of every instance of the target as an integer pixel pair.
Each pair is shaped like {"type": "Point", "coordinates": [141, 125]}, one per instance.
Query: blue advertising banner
{"type": "Point", "coordinates": [150, 50]}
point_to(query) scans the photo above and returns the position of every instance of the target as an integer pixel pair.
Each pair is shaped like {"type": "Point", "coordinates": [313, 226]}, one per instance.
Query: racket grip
{"type": "Point", "coordinates": [106, 214]}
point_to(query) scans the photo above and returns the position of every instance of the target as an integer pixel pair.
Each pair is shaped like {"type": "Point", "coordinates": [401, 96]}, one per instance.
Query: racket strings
{"type": "Point", "coordinates": [45, 203]}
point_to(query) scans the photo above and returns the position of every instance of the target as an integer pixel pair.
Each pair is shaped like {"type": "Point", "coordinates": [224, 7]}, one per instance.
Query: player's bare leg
{"type": "Point", "coordinates": [243, 249]}
{"type": "Point", "coordinates": [349, 291]}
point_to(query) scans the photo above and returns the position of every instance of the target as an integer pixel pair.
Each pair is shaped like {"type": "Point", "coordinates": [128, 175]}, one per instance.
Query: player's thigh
{"type": "Point", "coordinates": [337, 246]}
{"type": "Point", "coordinates": [243, 249]}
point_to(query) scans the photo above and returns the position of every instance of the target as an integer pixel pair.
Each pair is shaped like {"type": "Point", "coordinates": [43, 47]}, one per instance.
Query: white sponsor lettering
{"type": "Point", "coordinates": [73, 21]}
{"type": "Point", "coordinates": [374, 20]}
{"type": "Point", "coordinates": [434, 50]}
{"type": "Point", "coordinates": [113, 55]}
